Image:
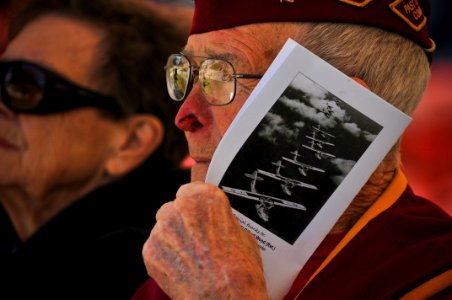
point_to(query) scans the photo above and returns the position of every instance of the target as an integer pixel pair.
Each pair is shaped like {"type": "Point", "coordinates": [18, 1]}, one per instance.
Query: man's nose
{"type": "Point", "coordinates": [187, 121]}
{"type": "Point", "coordinates": [193, 113]}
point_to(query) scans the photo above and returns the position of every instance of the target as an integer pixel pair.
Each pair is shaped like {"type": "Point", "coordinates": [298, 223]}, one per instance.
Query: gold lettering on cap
{"type": "Point", "coordinates": [357, 3]}
{"type": "Point", "coordinates": [410, 11]}
{"type": "Point", "coordinates": [290, 1]}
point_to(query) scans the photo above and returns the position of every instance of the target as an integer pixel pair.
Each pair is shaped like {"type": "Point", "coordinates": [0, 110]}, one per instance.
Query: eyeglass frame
{"type": "Point", "coordinates": [191, 77]}
{"type": "Point", "coordinates": [78, 96]}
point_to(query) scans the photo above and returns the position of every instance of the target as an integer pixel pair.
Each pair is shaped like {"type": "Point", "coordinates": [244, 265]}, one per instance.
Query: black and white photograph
{"type": "Point", "coordinates": [289, 166]}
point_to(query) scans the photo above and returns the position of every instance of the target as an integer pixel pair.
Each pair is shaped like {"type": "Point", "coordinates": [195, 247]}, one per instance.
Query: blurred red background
{"type": "Point", "coordinates": [427, 142]}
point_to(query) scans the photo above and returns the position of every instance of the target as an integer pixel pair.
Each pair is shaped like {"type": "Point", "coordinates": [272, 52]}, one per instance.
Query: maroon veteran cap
{"type": "Point", "coordinates": [405, 17]}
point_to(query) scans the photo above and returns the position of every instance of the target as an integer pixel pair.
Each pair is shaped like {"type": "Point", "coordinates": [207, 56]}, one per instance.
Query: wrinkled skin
{"type": "Point", "coordinates": [197, 249]}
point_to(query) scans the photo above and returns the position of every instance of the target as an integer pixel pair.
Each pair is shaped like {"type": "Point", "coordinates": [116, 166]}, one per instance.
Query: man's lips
{"type": "Point", "coordinates": [201, 160]}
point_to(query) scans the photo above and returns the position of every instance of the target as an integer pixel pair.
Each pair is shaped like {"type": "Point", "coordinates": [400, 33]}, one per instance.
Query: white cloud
{"type": "Point", "coordinates": [299, 124]}
{"type": "Point", "coordinates": [308, 112]}
{"type": "Point", "coordinates": [352, 128]}
{"type": "Point", "coordinates": [369, 136]}
{"type": "Point", "coordinates": [318, 103]}
{"type": "Point", "coordinates": [344, 166]}
{"type": "Point", "coordinates": [302, 83]}
{"type": "Point", "coordinates": [275, 124]}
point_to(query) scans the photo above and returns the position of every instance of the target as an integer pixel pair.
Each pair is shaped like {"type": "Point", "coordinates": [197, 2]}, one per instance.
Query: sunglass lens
{"type": "Point", "coordinates": [177, 76]}
{"type": "Point", "coordinates": [217, 81]}
{"type": "Point", "coordinates": [24, 86]}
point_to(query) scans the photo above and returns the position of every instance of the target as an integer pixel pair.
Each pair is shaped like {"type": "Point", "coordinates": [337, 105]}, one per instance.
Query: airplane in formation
{"type": "Point", "coordinates": [265, 202]}
{"type": "Point", "coordinates": [323, 133]}
{"type": "Point", "coordinates": [318, 153]}
{"type": "Point", "coordinates": [287, 183]}
{"type": "Point", "coordinates": [319, 143]}
{"type": "Point", "coordinates": [302, 167]}
{"type": "Point", "coordinates": [328, 110]}
{"type": "Point", "coordinates": [316, 143]}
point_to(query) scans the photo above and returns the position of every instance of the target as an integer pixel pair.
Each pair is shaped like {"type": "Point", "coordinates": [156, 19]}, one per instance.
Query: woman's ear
{"type": "Point", "coordinates": [144, 134]}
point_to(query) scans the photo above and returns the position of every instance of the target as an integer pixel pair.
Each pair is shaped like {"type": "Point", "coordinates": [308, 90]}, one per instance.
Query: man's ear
{"type": "Point", "coordinates": [144, 134]}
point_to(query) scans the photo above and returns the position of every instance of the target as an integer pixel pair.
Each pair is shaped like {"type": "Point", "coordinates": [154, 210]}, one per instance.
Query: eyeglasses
{"type": "Point", "coordinates": [29, 88]}
{"type": "Point", "coordinates": [217, 78]}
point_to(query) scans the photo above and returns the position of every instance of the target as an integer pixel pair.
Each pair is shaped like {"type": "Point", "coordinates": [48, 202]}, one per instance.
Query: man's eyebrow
{"type": "Point", "coordinates": [212, 54]}
{"type": "Point", "coordinates": [225, 56]}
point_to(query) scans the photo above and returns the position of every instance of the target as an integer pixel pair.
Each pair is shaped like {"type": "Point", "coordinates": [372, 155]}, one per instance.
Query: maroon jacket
{"type": "Point", "coordinates": [405, 246]}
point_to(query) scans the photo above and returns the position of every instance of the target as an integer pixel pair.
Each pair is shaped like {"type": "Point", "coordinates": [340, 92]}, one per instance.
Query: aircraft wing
{"type": "Point", "coordinates": [290, 204]}
{"type": "Point", "coordinates": [274, 176]}
{"type": "Point", "coordinates": [319, 141]}
{"type": "Point", "coordinates": [303, 184]}
{"type": "Point", "coordinates": [240, 193]}
{"type": "Point", "coordinates": [262, 197]}
{"type": "Point", "coordinates": [319, 152]}
{"type": "Point", "coordinates": [288, 180]}
{"type": "Point", "coordinates": [322, 131]}
{"type": "Point", "coordinates": [303, 165]}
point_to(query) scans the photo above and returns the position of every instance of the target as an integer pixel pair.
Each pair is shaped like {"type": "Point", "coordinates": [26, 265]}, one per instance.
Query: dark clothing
{"type": "Point", "coordinates": [92, 249]}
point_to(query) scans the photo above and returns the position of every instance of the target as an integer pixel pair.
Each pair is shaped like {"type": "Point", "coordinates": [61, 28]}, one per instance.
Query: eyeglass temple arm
{"type": "Point", "coordinates": [257, 76]}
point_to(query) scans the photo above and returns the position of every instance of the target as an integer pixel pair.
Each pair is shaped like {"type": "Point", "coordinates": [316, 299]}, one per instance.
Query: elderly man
{"type": "Point", "coordinates": [88, 152]}
{"type": "Point", "coordinates": [197, 249]}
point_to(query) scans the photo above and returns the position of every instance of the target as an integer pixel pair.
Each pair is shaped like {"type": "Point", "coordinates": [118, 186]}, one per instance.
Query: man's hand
{"type": "Point", "coordinates": [198, 250]}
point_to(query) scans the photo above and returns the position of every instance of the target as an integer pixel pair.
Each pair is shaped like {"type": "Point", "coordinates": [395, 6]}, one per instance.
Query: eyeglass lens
{"type": "Point", "coordinates": [216, 78]}
{"type": "Point", "coordinates": [177, 76]}
{"type": "Point", "coordinates": [24, 87]}
{"type": "Point", "coordinates": [217, 81]}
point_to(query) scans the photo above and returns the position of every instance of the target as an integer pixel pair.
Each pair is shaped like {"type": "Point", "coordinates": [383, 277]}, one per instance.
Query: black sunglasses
{"type": "Point", "coordinates": [29, 88]}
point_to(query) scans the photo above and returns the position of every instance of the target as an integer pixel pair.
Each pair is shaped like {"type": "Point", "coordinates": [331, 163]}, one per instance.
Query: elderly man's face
{"type": "Point", "coordinates": [43, 153]}
{"type": "Point", "coordinates": [204, 125]}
